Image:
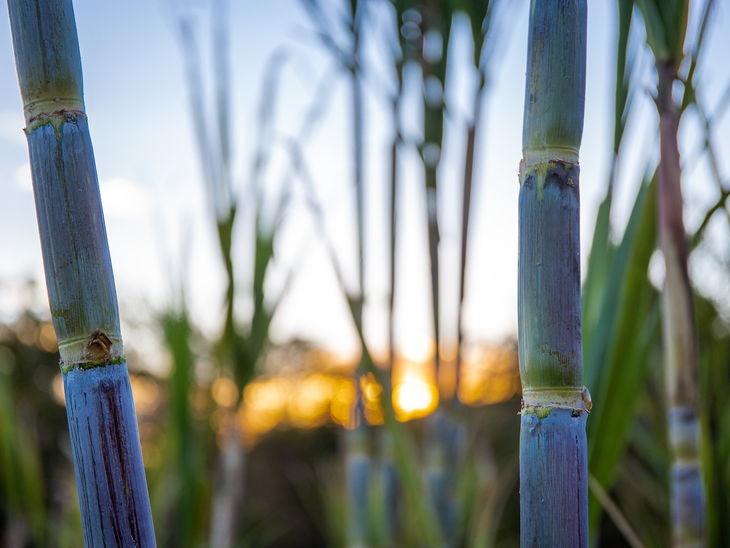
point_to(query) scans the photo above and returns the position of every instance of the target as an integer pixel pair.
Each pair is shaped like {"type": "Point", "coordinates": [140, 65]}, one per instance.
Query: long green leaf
{"type": "Point", "coordinates": [714, 341]}
{"type": "Point", "coordinates": [616, 360]}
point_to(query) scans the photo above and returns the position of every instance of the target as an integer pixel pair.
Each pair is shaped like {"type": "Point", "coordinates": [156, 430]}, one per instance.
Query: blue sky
{"type": "Point", "coordinates": [158, 221]}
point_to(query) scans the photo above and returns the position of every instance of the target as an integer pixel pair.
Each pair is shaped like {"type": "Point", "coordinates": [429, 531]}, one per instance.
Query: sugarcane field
{"type": "Point", "coordinates": [365, 274]}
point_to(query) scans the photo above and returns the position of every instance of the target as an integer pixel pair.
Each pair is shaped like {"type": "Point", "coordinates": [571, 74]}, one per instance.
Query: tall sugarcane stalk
{"type": "Point", "coordinates": [436, 27]}
{"type": "Point", "coordinates": [215, 162]}
{"type": "Point", "coordinates": [666, 25]}
{"type": "Point", "coordinates": [356, 457]}
{"type": "Point", "coordinates": [553, 448]}
{"type": "Point", "coordinates": [679, 331]}
{"type": "Point", "coordinates": [388, 473]}
{"type": "Point", "coordinates": [115, 508]}
{"type": "Point", "coordinates": [432, 56]}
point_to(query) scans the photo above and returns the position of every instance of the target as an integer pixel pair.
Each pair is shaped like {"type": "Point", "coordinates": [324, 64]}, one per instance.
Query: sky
{"type": "Point", "coordinates": [159, 222]}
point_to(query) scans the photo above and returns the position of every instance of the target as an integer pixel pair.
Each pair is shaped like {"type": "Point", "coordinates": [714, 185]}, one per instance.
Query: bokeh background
{"type": "Point", "coordinates": [268, 370]}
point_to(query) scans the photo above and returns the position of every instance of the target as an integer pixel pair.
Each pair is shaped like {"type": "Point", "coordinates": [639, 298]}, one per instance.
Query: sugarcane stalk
{"type": "Point", "coordinates": [388, 475]}
{"type": "Point", "coordinates": [666, 27]}
{"type": "Point", "coordinates": [357, 458]}
{"type": "Point", "coordinates": [553, 448]}
{"type": "Point", "coordinates": [114, 504]}
{"type": "Point", "coordinates": [479, 18]}
{"type": "Point", "coordinates": [679, 331]}
{"type": "Point", "coordinates": [436, 25]}
{"type": "Point", "coordinates": [230, 467]}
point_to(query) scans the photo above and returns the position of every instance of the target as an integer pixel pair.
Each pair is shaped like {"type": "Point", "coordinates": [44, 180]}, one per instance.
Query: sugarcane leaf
{"type": "Point", "coordinates": [625, 63]}
{"type": "Point", "coordinates": [184, 448]}
{"type": "Point", "coordinates": [602, 250]}
{"type": "Point", "coordinates": [596, 351]}
{"type": "Point", "coordinates": [714, 344]}
{"type": "Point", "coordinates": [599, 264]}
{"type": "Point", "coordinates": [625, 331]}
{"type": "Point", "coordinates": [20, 467]}
{"type": "Point", "coordinates": [690, 96]}
{"type": "Point", "coordinates": [655, 31]}
{"type": "Point", "coordinates": [666, 27]}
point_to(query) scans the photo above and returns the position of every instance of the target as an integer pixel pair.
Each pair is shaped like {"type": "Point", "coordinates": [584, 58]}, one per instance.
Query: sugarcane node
{"type": "Point", "coordinates": [542, 410]}
{"type": "Point", "coordinates": [536, 169]}
{"type": "Point", "coordinates": [99, 347]}
{"type": "Point", "coordinates": [560, 172]}
{"type": "Point", "coordinates": [61, 112]}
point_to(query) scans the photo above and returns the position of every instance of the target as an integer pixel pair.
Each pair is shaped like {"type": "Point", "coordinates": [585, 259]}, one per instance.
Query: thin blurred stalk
{"type": "Point", "coordinates": [433, 53]}
{"type": "Point", "coordinates": [403, 449]}
{"type": "Point", "coordinates": [428, 529]}
{"type": "Point", "coordinates": [110, 475]}
{"type": "Point", "coordinates": [390, 488]}
{"type": "Point", "coordinates": [357, 459]}
{"type": "Point", "coordinates": [236, 353]}
{"type": "Point", "coordinates": [435, 24]}
{"type": "Point", "coordinates": [215, 160]}
{"type": "Point", "coordinates": [388, 472]}
{"type": "Point", "coordinates": [666, 25]}
{"type": "Point", "coordinates": [681, 353]}
{"type": "Point", "coordinates": [553, 446]}
{"type": "Point", "coordinates": [480, 17]}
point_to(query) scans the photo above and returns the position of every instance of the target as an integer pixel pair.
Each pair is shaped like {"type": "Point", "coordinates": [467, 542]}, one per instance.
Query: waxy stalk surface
{"type": "Point", "coordinates": [553, 450]}
{"type": "Point", "coordinates": [114, 504]}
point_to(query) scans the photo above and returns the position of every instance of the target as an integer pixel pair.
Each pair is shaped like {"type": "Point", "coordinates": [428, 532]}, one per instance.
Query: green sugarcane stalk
{"type": "Point", "coordinates": [114, 503]}
{"type": "Point", "coordinates": [553, 448]}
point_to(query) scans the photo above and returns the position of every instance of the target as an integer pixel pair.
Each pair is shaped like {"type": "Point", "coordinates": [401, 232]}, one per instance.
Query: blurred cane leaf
{"type": "Point", "coordinates": [714, 341]}
{"type": "Point", "coordinates": [602, 249]}
{"type": "Point", "coordinates": [616, 359]}
{"type": "Point", "coordinates": [21, 478]}
{"type": "Point", "coordinates": [666, 27]}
